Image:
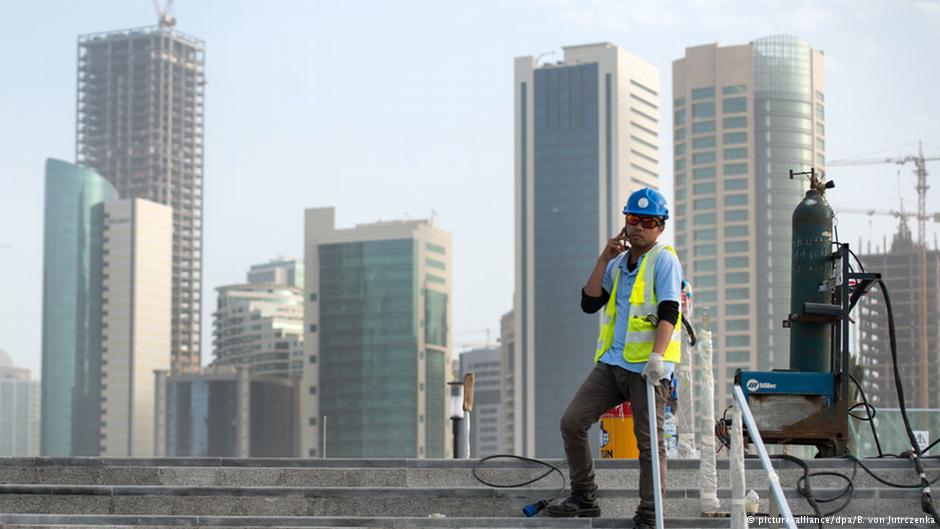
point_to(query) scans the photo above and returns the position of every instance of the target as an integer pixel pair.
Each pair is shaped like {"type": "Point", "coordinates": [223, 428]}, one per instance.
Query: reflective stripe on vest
{"type": "Point", "coordinates": [641, 333]}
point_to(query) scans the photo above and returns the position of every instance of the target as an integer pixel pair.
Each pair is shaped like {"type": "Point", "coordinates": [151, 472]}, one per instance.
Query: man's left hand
{"type": "Point", "coordinates": [654, 370]}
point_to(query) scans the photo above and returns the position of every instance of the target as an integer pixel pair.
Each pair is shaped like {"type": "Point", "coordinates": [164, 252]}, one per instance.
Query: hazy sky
{"type": "Point", "coordinates": [388, 110]}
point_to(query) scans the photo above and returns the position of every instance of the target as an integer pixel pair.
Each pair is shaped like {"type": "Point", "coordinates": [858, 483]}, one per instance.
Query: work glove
{"type": "Point", "coordinates": [654, 370]}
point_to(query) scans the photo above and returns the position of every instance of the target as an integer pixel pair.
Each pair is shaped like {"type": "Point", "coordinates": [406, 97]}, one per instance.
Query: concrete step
{"type": "Point", "coordinates": [36, 521]}
{"type": "Point", "coordinates": [393, 501]}
{"type": "Point", "coordinates": [216, 472]}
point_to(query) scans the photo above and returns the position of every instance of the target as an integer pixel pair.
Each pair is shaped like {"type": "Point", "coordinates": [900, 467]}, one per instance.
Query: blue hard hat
{"type": "Point", "coordinates": [646, 201]}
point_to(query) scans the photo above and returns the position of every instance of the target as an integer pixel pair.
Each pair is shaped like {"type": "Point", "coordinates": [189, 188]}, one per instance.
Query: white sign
{"type": "Point", "coordinates": [923, 438]}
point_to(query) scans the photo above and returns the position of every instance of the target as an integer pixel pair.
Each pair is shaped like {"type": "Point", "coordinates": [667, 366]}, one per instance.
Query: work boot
{"type": "Point", "coordinates": [579, 504]}
{"type": "Point", "coordinates": [644, 520]}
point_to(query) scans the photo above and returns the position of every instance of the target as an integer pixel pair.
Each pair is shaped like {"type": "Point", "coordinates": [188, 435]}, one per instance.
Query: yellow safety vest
{"type": "Point", "coordinates": [638, 343]}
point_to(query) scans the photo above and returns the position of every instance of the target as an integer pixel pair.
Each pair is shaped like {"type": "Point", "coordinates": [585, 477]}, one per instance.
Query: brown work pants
{"type": "Point", "coordinates": [605, 387]}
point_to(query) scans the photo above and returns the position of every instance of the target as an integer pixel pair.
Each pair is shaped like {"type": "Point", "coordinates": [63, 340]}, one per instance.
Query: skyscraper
{"type": "Point", "coordinates": [485, 417]}
{"type": "Point", "coordinates": [70, 294]}
{"type": "Point", "coordinates": [378, 338]}
{"type": "Point", "coordinates": [140, 125]}
{"type": "Point", "coordinates": [136, 273]}
{"type": "Point", "coordinates": [586, 135]}
{"type": "Point", "coordinates": [19, 410]}
{"type": "Point", "coordinates": [743, 117]}
{"type": "Point", "coordinates": [898, 266]}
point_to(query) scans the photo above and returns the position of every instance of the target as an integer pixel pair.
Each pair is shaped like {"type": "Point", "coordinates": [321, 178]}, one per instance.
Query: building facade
{"type": "Point", "coordinates": [70, 293]}
{"type": "Point", "coordinates": [743, 117]}
{"type": "Point", "coordinates": [280, 271]}
{"type": "Point", "coordinates": [586, 135]}
{"type": "Point", "coordinates": [899, 270]}
{"type": "Point", "coordinates": [485, 417]}
{"type": "Point", "coordinates": [136, 278]}
{"type": "Point", "coordinates": [378, 338]}
{"type": "Point", "coordinates": [260, 327]}
{"type": "Point", "coordinates": [19, 410]}
{"type": "Point", "coordinates": [226, 411]}
{"type": "Point", "coordinates": [507, 384]}
{"type": "Point", "coordinates": [140, 109]}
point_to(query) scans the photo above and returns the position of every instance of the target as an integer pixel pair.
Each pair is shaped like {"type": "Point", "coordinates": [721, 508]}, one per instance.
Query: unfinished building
{"type": "Point", "coordinates": [140, 124]}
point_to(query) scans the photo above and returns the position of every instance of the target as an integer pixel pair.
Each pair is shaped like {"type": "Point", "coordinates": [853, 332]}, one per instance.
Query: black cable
{"type": "Point", "coordinates": [805, 489]}
{"type": "Point", "coordinates": [926, 504]}
{"type": "Point", "coordinates": [870, 413]}
{"type": "Point", "coordinates": [532, 509]}
{"type": "Point", "coordinates": [883, 481]}
{"type": "Point", "coordinates": [931, 445]}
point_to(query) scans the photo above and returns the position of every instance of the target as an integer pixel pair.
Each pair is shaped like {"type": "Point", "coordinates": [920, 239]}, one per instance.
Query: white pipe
{"type": "Point", "coordinates": [708, 473]}
{"type": "Point", "coordinates": [654, 452]}
{"type": "Point", "coordinates": [772, 477]}
{"type": "Point", "coordinates": [736, 469]}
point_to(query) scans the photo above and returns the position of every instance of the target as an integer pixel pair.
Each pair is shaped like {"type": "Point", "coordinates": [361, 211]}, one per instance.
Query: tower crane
{"type": "Point", "coordinates": [164, 17]}
{"type": "Point", "coordinates": [920, 169]}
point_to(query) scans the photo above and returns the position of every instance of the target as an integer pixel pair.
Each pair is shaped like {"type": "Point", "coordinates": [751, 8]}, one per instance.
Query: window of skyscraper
{"type": "Point", "coordinates": [820, 96]}
{"type": "Point", "coordinates": [736, 357]}
{"type": "Point", "coordinates": [735, 137]}
{"type": "Point", "coordinates": [736, 278]}
{"type": "Point", "coordinates": [703, 173]}
{"type": "Point", "coordinates": [679, 102]}
{"type": "Point", "coordinates": [680, 149]}
{"type": "Point", "coordinates": [736, 89]}
{"type": "Point", "coordinates": [735, 168]}
{"type": "Point", "coordinates": [704, 142]}
{"type": "Point", "coordinates": [433, 263]}
{"type": "Point", "coordinates": [703, 93]}
{"type": "Point", "coordinates": [704, 250]}
{"type": "Point", "coordinates": [431, 247]}
{"type": "Point", "coordinates": [737, 325]}
{"type": "Point", "coordinates": [820, 159]}
{"type": "Point", "coordinates": [708, 296]}
{"type": "Point", "coordinates": [740, 294]}
{"type": "Point", "coordinates": [820, 112]}
{"type": "Point", "coordinates": [680, 179]}
{"type": "Point", "coordinates": [736, 247]}
{"type": "Point", "coordinates": [735, 123]}
{"type": "Point", "coordinates": [736, 262]}
{"type": "Point", "coordinates": [703, 110]}
{"type": "Point", "coordinates": [680, 210]}
{"type": "Point", "coordinates": [736, 231]}
{"type": "Point", "coordinates": [820, 144]}
{"type": "Point", "coordinates": [736, 153]}
{"type": "Point", "coordinates": [820, 128]}
{"type": "Point", "coordinates": [705, 281]}
{"type": "Point", "coordinates": [738, 341]}
{"type": "Point", "coordinates": [704, 219]}
{"type": "Point", "coordinates": [704, 203]}
{"type": "Point", "coordinates": [734, 105]}
{"type": "Point", "coordinates": [679, 135]}
{"type": "Point", "coordinates": [680, 224]}
{"type": "Point", "coordinates": [736, 200]}
{"type": "Point", "coordinates": [680, 164]}
{"type": "Point", "coordinates": [702, 127]}
{"type": "Point", "coordinates": [680, 194]}
{"type": "Point", "coordinates": [703, 158]}
{"type": "Point", "coordinates": [706, 234]}
{"type": "Point", "coordinates": [735, 185]}
{"type": "Point", "coordinates": [706, 265]}
{"type": "Point", "coordinates": [737, 309]}
{"type": "Point", "coordinates": [704, 189]}
{"type": "Point", "coordinates": [680, 117]}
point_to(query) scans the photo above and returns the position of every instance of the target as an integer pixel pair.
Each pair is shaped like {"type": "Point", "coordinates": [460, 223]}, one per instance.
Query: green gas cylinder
{"type": "Point", "coordinates": [811, 281]}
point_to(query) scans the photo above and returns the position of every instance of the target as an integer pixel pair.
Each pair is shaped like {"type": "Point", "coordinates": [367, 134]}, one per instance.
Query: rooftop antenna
{"type": "Point", "coordinates": [164, 18]}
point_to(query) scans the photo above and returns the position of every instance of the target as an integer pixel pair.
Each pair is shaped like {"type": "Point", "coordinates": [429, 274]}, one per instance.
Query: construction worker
{"type": "Point", "coordinates": [638, 282]}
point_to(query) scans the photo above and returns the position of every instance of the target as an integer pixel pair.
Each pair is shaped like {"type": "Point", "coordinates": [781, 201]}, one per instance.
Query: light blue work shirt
{"type": "Point", "coordinates": [667, 287]}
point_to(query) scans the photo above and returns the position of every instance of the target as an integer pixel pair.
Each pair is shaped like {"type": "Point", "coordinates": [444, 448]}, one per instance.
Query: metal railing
{"type": "Point", "coordinates": [778, 501]}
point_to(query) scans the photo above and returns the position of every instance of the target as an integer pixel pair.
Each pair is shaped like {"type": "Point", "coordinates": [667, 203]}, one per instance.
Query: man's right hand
{"type": "Point", "coordinates": [615, 246]}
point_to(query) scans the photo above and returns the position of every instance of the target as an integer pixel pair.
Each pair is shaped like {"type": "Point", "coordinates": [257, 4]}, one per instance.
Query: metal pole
{"type": "Point", "coordinates": [654, 452]}
{"type": "Point", "coordinates": [772, 477]}
{"type": "Point", "coordinates": [456, 442]}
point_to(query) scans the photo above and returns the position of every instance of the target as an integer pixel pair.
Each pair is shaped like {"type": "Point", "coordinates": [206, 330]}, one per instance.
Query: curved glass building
{"type": "Point", "coordinates": [743, 116]}
{"type": "Point", "coordinates": [69, 291]}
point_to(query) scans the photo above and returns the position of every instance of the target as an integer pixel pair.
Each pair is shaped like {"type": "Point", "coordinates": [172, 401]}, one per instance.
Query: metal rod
{"type": "Point", "coordinates": [772, 477]}
{"type": "Point", "coordinates": [654, 452]}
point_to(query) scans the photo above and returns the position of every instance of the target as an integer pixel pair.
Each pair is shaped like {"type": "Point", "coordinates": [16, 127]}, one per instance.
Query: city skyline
{"type": "Point", "coordinates": [314, 136]}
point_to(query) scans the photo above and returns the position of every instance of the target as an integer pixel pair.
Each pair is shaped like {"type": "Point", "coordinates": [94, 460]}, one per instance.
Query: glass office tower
{"type": "Point", "coordinates": [743, 117]}
{"type": "Point", "coordinates": [69, 293]}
